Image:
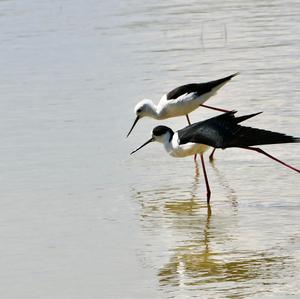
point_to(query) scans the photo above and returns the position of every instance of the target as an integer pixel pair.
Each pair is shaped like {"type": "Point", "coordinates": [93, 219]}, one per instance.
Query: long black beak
{"type": "Point", "coordinates": [136, 120]}
{"type": "Point", "coordinates": [150, 140]}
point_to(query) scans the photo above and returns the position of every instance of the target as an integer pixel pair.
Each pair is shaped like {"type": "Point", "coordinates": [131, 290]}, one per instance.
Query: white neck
{"type": "Point", "coordinates": [168, 146]}
{"type": "Point", "coordinates": [165, 140]}
{"type": "Point", "coordinates": [151, 110]}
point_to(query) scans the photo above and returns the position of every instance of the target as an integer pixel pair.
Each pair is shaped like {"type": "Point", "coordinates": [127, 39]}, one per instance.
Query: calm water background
{"type": "Point", "coordinates": [79, 217]}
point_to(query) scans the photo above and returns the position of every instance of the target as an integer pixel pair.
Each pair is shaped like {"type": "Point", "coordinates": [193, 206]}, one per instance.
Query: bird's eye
{"type": "Point", "coordinates": [139, 110]}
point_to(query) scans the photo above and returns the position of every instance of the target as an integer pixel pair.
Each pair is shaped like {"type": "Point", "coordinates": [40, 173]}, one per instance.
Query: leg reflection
{"type": "Point", "coordinates": [231, 194]}
{"type": "Point", "coordinates": [192, 250]}
{"type": "Point", "coordinates": [196, 169]}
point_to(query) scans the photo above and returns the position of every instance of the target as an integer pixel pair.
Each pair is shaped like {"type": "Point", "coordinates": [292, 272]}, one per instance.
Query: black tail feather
{"type": "Point", "coordinates": [230, 116]}
{"type": "Point", "coordinates": [247, 136]}
{"type": "Point", "coordinates": [222, 80]}
{"type": "Point", "coordinates": [245, 117]}
{"type": "Point", "coordinates": [224, 131]}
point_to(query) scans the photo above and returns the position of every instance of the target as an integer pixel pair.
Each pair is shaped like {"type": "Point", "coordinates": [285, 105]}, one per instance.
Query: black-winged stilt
{"type": "Point", "coordinates": [222, 131]}
{"type": "Point", "coordinates": [180, 101]}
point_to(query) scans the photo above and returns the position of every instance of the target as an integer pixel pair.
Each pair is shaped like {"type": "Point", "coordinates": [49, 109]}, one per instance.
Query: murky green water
{"type": "Point", "coordinates": [79, 217]}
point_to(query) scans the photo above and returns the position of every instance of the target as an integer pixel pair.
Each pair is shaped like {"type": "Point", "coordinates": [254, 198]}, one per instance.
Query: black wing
{"type": "Point", "coordinates": [198, 88]}
{"type": "Point", "coordinates": [224, 131]}
{"type": "Point", "coordinates": [211, 131]}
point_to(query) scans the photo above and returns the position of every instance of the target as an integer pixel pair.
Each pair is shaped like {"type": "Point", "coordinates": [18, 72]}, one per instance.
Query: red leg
{"type": "Point", "coordinates": [188, 119]}
{"type": "Point", "coordinates": [206, 180]}
{"type": "Point", "coordinates": [268, 155]}
{"type": "Point", "coordinates": [214, 108]}
{"type": "Point", "coordinates": [211, 156]}
{"type": "Point", "coordinates": [189, 122]}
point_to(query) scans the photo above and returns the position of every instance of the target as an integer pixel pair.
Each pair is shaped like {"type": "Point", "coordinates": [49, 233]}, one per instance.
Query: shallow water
{"type": "Point", "coordinates": [80, 218]}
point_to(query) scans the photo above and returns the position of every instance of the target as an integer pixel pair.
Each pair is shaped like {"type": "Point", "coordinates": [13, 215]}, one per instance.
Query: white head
{"type": "Point", "coordinates": [142, 109]}
{"type": "Point", "coordinates": [161, 134]}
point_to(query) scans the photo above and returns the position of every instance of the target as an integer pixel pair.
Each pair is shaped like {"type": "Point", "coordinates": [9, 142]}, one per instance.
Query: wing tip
{"type": "Point", "coordinates": [296, 139]}
{"type": "Point", "coordinates": [235, 74]}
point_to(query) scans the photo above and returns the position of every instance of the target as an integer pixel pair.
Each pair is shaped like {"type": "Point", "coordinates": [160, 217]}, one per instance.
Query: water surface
{"type": "Point", "coordinates": [80, 218]}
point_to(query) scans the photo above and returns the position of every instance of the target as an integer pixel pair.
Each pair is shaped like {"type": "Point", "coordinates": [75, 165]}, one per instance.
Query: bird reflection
{"type": "Point", "coordinates": [198, 264]}
{"type": "Point", "coordinates": [173, 200]}
{"type": "Point", "coordinates": [197, 250]}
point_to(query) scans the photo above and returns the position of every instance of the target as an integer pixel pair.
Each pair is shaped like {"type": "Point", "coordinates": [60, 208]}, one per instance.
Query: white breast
{"type": "Point", "coordinates": [177, 150]}
{"type": "Point", "coordinates": [177, 107]}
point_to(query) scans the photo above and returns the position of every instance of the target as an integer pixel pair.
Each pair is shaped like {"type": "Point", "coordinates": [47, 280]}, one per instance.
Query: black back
{"type": "Point", "coordinates": [224, 131]}
{"type": "Point", "coordinates": [198, 88]}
